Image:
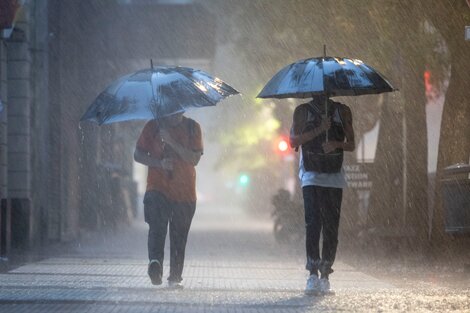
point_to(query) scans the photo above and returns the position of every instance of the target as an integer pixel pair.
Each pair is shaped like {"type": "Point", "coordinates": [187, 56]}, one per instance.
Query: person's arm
{"type": "Point", "coordinates": [146, 140]}
{"type": "Point", "coordinates": [188, 155]}
{"type": "Point", "coordinates": [348, 144]}
{"type": "Point", "coordinates": [143, 157]}
{"type": "Point", "coordinates": [297, 134]}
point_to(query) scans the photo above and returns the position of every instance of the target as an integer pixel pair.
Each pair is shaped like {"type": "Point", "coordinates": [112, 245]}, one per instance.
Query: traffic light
{"type": "Point", "coordinates": [282, 145]}
{"type": "Point", "coordinates": [243, 180]}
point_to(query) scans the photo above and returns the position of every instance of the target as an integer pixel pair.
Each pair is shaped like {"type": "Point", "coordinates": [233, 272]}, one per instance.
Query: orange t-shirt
{"type": "Point", "coordinates": [180, 184]}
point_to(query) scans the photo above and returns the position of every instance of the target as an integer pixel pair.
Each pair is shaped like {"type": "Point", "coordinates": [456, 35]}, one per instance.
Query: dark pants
{"type": "Point", "coordinates": [322, 211]}
{"type": "Point", "coordinates": [159, 212]}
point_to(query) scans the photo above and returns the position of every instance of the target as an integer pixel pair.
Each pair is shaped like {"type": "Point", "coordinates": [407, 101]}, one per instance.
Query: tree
{"type": "Point", "coordinates": [450, 18]}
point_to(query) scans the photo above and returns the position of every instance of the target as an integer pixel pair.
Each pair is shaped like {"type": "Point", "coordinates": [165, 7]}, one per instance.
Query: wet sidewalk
{"type": "Point", "coordinates": [233, 265]}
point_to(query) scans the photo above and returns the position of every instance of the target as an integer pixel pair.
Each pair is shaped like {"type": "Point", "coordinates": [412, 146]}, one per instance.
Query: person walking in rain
{"type": "Point", "coordinates": [171, 147]}
{"type": "Point", "coordinates": [322, 180]}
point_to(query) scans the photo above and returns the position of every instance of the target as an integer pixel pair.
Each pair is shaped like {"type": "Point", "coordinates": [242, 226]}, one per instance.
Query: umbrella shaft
{"type": "Point", "coordinates": [326, 114]}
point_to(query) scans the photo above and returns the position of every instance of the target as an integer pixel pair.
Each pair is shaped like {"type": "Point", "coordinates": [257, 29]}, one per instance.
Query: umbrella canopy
{"type": "Point", "coordinates": [156, 92]}
{"type": "Point", "coordinates": [330, 76]}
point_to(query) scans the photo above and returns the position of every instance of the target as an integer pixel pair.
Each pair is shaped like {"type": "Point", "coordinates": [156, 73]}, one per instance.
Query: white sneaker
{"type": "Point", "coordinates": [325, 286]}
{"type": "Point", "coordinates": [313, 285]}
{"type": "Point", "coordinates": [175, 285]}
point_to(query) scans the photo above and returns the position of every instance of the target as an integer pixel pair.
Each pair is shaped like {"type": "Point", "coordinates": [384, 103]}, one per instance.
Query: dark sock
{"type": "Point", "coordinates": [314, 273]}
{"type": "Point", "coordinates": [324, 276]}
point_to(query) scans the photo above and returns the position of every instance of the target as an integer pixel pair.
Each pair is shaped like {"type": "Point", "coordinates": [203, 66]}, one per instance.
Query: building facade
{"type": "Point", "coordinates": [59, 177]}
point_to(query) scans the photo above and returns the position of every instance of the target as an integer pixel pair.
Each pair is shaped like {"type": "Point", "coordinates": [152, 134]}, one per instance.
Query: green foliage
{"type": "Point", "coordinates": [242, 145]}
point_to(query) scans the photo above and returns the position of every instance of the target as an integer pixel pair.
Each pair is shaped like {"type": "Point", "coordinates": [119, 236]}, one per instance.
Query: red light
{"type": "Point", "coordinates": [283, 145]}
{"type": "Point", "coordinates": [427, 75]}
{"type": "Point", "coordinates": [428, 86]}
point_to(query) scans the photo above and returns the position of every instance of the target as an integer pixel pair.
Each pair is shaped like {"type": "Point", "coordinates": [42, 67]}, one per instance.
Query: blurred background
{"type": "Point", "coordinates": [60, 179]}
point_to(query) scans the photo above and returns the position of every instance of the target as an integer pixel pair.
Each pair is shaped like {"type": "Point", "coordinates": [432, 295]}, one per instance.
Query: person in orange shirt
{"type": "Point", "coordinates": [171, 147]}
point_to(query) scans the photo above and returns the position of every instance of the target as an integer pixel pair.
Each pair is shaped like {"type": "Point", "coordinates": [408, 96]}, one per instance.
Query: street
{"type": "Point", "coordinates": [270, 113]}
{"type": "Point", "coordinates": [232, 265]}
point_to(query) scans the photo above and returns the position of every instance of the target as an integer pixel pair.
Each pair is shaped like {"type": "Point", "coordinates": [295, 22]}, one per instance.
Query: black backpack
{"type": "Point", "coordinates": [314, 158]}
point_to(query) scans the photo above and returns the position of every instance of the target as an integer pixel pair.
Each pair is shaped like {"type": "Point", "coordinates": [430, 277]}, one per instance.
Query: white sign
{"type": "Point", "coordinates": [467, 32]}
{"type": "Point", "coordinates": [356, 177]}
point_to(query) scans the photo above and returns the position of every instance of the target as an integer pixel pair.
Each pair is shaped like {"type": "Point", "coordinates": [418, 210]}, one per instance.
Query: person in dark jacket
{"type": "Point", "coordinates": [322, 137]}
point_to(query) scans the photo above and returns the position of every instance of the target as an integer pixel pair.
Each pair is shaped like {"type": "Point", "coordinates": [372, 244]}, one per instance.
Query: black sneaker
{"type": "Point", "coordinates": [155, 272]}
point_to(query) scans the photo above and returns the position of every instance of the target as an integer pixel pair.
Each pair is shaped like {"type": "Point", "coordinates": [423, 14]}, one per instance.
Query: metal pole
{"type": "Point", "coordinates": [326, 114]}
{"type": "Point", "coordinates": [405, 168]}
{"type": "Point", "coordinates": [325, 91]}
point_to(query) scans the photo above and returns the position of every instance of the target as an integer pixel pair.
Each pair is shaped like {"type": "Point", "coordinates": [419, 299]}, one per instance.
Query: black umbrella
{"type": "Point", "coordinates": [328, 76]}
{"type": "Point", "coordinates": [157, 92]}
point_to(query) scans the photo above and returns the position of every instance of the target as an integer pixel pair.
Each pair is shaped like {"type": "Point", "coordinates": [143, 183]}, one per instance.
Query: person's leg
{"type": "Point", "coordinates": [157, 214]}
{"type": "Point", "coordinates": [180, 223]}
{"type": "Point", "coordinates": [330, 220]}
{"type": "Point", "coordinates": [312, 206]}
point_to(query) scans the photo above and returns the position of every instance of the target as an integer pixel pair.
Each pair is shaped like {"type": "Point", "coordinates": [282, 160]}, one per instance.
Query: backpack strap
{"type": "Point", "coordinates": [339, 107]}
{"type": "Point", "coordinates": [313, 106]}
{"type": "Point", "coordinates": [191, 127]}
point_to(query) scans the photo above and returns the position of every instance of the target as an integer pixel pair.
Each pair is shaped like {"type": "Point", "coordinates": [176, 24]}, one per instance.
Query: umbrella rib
{"type": "Point", "coordinates": [193, 81]}
{"type": "Point", "coordinates": [348, 78]}
{"type": "Point", "coordinates": [105, 119]}
{"type": "Point", "coordinates": [368, 77]}
{"type": "Point", "coordinates": [373, 72]}
{"type": "Point", "coordinates": [153, 95]}
{"type": "Point", "coordinates": [119, 88]}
